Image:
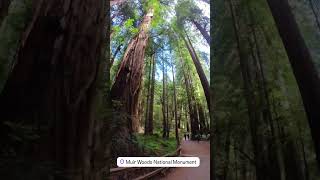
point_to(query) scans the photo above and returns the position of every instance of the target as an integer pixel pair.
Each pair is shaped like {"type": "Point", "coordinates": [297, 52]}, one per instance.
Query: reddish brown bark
{"type": "Point", "coordinates": [127, 85]}
{"type": "Point", "coordinates": [146, 123]}
{"type": "Point", "coordinates": [54, 81]}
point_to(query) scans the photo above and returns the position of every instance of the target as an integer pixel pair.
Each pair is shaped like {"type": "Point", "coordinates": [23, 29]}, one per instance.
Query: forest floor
{"type": "Point", "coordinates": [193, 148]}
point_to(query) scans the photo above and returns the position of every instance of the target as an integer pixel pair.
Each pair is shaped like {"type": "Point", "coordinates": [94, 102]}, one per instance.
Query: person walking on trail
{"type": "Point", "coordinates": [185, 137]}
{"type": "Point", "coordinates": [188, 137]}
{"type": "Point", "coordinates": [198, 137]}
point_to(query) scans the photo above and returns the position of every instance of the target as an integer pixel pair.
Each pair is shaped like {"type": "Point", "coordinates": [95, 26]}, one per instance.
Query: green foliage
{"type": "Point", "coordinates": [231, 108]}
{"type": "Point", "coordinates": [155, 145]}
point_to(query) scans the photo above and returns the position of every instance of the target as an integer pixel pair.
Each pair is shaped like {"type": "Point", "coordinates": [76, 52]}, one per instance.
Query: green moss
{"type": "Point", "coordinates": [155, 145]}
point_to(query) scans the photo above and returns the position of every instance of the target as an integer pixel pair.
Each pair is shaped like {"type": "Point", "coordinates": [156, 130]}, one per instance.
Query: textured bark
{"type": "Point", "coordinates": [203, 31]}
{"type": "Point", "coordinates": [4, 6]}
{"type": "Point", "coordinates": [127, 85]}
{"type": "Point", "coordinates": [54, 84]}
{"type": "Point", "coordinates": [276, 165]}
{"type": "Point", "coordinates": [302, 65]}
{"type": "Point", "coordinates": [202, 76]}
{"type": "Point", "coordinates": [251, 105]}
{"type": "Point", "coordinates": [292, 161]}
{"type": "Point", "coordinates": [148, 100]}
{"type": "Point", "coordinates": [149, 129]}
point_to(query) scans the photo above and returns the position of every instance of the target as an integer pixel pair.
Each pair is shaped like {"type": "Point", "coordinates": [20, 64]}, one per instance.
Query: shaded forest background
{"type": "Point", "coordinates": [69, 105]}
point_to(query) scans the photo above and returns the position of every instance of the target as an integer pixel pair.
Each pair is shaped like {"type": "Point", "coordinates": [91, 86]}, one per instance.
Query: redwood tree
{"type": "Point", "coordinates": [127, 85]}
{"type": "Point", "coordinates": [302, 65]}
{"type": "Point", "coordinates": [54, 84]}
{"type": "Point", "coordinates": [149, 127]}
{"type": "Point", "coordinates": [202, 76]}
{"type": "Point", "coordinates": [175, 107]}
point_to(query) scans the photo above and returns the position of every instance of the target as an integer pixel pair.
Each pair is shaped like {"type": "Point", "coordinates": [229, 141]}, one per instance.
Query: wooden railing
{"type": "Point", "coordinates": [123, 172]}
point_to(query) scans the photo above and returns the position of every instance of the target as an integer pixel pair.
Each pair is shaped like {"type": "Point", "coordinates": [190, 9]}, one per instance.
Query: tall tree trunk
{"type": "Point", "coordinates": [127, 83]}
{"type": "Point", "coordinates": [150, 116]}
{"type": "Point", "coordinates": [167, 106]}
{"type": "Point", "coordinates": [302, 65]}
{"type": "Point", "coordinates": [54, 84]}
{"type": "Point", "coordinates": [202, 76]}
{"type": "Point", "coordinates": [195, 121]}
{"type": "Point", "coordinates": [248, 92]}
{"type": "Point", "coordinates": [179, 115]}
{"type": "Point", "coordinates": [276, 166]}
{"type": "Point", "coordinates": [202, 31]}
{"type": "Point", "coordinates": [191, 103]}
{"type": "Point", "coordinates": [164, 114]}
{"type": "Point", "coordinates": [146, 125]}
{"type": "Point", "coordinates": [175, 107]}
{"type": "Point", "coordinates": [202, 119]}
{"type": "Point", "coordinates": [168, 117]}
{"type": "Point", "coordinates": [4, 6]}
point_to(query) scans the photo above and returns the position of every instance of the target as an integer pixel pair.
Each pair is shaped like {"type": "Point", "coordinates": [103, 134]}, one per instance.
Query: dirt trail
{"type": "Point", "coordinates": [193, 148]}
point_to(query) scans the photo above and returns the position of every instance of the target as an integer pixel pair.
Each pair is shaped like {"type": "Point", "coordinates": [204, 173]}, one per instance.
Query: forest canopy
{"type": "Point", "coordinates": [234, 82]}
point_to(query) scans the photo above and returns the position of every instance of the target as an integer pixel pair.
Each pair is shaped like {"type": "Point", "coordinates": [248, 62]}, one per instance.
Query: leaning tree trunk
{"type": "Point", "coordinates": [302, 65]}
{"type": "Point", "coordinates": [202, 30]}
{"type": "Point", "coordinates": [4, 6]}
{"type": "Point", "coordinates": [202, 76]}
{"type": "Point", "coordinates": [127, 83]}
{"type": "Point", "coordinates": [149, 129]}
{"type": "Point", "coordinates": [54, 85]}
